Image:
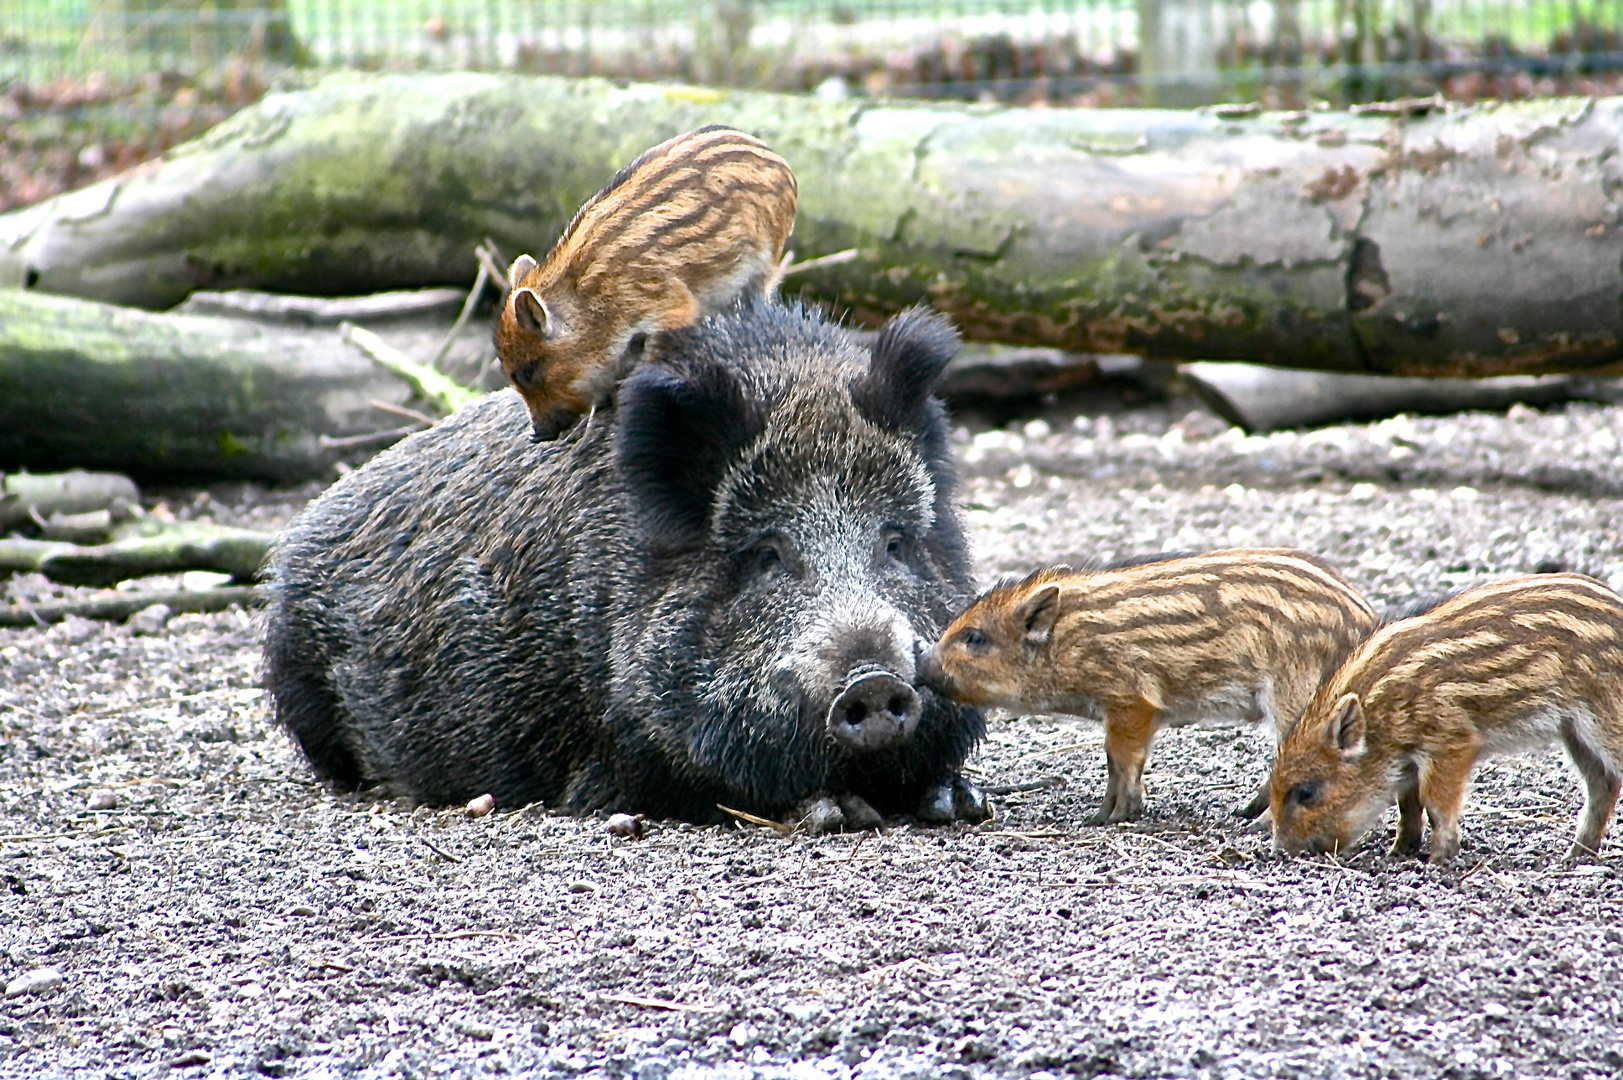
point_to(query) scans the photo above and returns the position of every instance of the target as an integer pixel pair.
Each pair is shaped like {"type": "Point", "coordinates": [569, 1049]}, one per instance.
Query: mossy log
{"type": "Point", "coordinates": [166, 396]}
{"type": "Point", "coordinates": [1462, 241]}
{"type": "Point", "coordinates": [173, 550]}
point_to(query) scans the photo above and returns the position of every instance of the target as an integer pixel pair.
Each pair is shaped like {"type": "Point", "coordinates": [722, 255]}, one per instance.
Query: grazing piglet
{"type": "Point", "coordinates": [716, 595]}
{"type": "Point", "coordinates": [1508, 666]}
{"type": "Point", "coordinates": [1239, 635]}
{"type": "Point", "coordinates": [683, 231]}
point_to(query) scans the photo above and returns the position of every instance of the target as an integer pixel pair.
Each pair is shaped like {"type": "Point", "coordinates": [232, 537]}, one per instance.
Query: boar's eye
{"type": "Point", "coordinates": [527, 376]}
{"type": "Point", "coordinates": [766, 556]}
{"type": "Point", "coordinates": [896, 545]}
{"type": "Point", "coordinates": [1306, 793]}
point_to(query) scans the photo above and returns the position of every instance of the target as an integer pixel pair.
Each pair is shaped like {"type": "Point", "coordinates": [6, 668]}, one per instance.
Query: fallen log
{"type": "Point", "coordinates": [175, 549]}
{"type": "Point", "coordinates": [170, 396]}
{"type": "Point", "coordinates": [319, 310]}
{"type": "Point", "coordinates": [1459, 241]}
{"type": "Point", "coordinates": [1264, 399]}
{"type": "Point", "coordinates": [118, 608]}
{"type": "Point", "coordinates": [39, 497]}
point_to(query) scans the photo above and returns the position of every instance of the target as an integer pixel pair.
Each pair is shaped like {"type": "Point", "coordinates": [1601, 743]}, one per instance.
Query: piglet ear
{"type": "Point", "coordinates": [909, 356]}
{"type": "Point", "coordinates": [530, 312]}
{"type": "Point", "coordinates": [1346, 731]}
{"type": "Point", "coordinates": [677, 434]}
{"type": "Point", "coordinates": [1038, 613]}
{"type": "Point", "coordinates": [522, 267]}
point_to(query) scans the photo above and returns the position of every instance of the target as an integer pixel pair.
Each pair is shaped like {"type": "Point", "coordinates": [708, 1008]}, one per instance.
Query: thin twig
{"type": "Point", "coordinates": [401, 410]}
{"type": "Point", "coordinates": [1030, 785]}
{"type": "Point", "coordinates": [474, 296]}
{"type": "Point", "coordinates": [432, 386]}
{"type": "Point", "coordinates": [491, 260]}
{"type": "Point", "coordinates": [821, 261]}
{"type": "Point", "coordinates": [454, 935]}
{"type": "Point", "coordinates": [655, 1003]}
{"type": "Point", "coordinates": [429, 844]}
{"type": "Point", "coordinates": [776, 826]}
{"type": "Point", "coordinates": [393, 435]}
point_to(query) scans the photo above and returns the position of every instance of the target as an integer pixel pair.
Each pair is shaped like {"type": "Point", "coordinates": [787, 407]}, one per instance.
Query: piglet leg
{"type": "Point", "coordinates": [1443, 780]}
{"type": "Point", "coordinates": [1128, 731]}
{"type": "Point", "coordinates": [1601, 787]}
{"type": "Point", "coordinates": [1411, 821]}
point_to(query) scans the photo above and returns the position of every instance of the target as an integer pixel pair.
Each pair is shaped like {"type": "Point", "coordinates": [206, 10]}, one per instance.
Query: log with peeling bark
{"type": "Point", "coordinates": [90, 385]}
{"type": "Point", "coordinates": [1407, 239]}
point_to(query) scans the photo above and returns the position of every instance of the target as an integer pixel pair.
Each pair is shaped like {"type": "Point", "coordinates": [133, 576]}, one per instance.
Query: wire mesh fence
{"type": "Point", "coordinates": [1118, 51]}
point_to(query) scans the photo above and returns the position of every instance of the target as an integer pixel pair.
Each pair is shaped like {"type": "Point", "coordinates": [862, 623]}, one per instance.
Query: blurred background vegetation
{"type": "Point", "coordinates": [88, 87]}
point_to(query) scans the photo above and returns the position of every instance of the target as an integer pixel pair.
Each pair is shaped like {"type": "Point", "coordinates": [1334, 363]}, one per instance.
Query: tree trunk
{"type": "Point", "coordinates": [183, 396]}
{"type": "Point", "coordinates": [1477, 241]}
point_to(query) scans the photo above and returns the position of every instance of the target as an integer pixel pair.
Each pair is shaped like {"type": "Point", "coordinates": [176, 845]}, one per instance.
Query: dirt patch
{"type": "Point", "coordinates": [218, 913]}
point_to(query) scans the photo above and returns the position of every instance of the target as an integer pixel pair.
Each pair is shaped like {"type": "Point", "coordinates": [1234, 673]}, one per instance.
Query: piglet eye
{"type": "Point", "coordinates": [1306, 793]}
{"type": "Point", "coordinates": [974, 639]}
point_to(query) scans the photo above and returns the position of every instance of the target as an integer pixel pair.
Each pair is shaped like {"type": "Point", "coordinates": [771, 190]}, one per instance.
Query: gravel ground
{"type": "Point", "coordinates": [180, 899]}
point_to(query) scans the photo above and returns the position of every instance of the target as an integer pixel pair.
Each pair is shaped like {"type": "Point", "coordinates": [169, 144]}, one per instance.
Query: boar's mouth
{"type": "Point", "coordinates": [875, 711]}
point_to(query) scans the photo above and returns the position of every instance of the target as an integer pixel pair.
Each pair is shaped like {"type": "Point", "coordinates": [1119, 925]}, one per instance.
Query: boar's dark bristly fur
{"type": "Point", "coordinates": [663, 609]}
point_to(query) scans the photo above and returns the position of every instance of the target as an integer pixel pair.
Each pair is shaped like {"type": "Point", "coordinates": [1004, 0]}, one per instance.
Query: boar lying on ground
{"type": "Point", "coordinates": [712, 594]}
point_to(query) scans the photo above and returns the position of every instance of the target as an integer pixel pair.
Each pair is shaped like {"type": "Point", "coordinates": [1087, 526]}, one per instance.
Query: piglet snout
{"type": "Point", "coordinates": [930, 671]}
{"type": "Point", "coordinates": [874, 711]}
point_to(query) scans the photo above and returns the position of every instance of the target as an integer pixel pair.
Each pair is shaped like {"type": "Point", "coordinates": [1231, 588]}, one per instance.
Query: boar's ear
{"type": "Point", "coordinates": [1346, 731]}
{"type": "Point", "coordinates": [1038, 613]}
{"type": "Point", "coordinates": [677, 434]}
{"type": "Point", "coordinates": [908, 358]}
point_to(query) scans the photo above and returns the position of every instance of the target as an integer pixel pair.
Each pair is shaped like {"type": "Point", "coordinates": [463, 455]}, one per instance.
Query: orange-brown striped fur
{"type": "Point", "coordinates": [1511, 665]}
{"type": "Point", "coordinates": [683, 231]}
{"type": "Point", "coordinates": [1244, 634]}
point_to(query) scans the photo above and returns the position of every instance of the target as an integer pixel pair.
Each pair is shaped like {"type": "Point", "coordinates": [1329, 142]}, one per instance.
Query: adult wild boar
{"type": "Point", "coordinates": [712, 593]}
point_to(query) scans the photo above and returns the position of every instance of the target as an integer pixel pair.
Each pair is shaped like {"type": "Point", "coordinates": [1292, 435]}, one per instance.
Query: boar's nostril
{"type": "Point", "coordinates": [875, 710]}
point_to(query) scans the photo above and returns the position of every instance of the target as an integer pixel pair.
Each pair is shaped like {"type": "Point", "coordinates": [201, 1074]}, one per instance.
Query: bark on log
{"type": "Point", "coordinates": [1473, 241]}
{"type": "Point", "coordinates": [176, 396]}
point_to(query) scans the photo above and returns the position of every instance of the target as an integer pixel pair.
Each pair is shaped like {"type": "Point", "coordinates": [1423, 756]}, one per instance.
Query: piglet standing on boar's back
{"type": "Point", "coordinates": [715, 596]}
{"type": "Point", "coordinates": [685, 230]}
{"type": "Point", "coordinates": [1231, 636]}
{"type": "Point", "coordinates": [1512, 665]}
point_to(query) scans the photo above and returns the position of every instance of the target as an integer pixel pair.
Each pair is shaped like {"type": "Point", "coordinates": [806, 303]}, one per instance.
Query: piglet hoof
{"type": "Point", "coordinates": [819, 815]}
{"type": "Point", "coordinates": [1579, 854]}
{"type": "Point", "coordinates": [1403, 848]}
{"type": "Point", "coordinates": [1443, 853]}
{"type": "Point", "coordinates": [1252, 810]}
{"type": "Point", "coordinates": [859, 814]}
{"type": "Point", "coordinates": [1120, 808]}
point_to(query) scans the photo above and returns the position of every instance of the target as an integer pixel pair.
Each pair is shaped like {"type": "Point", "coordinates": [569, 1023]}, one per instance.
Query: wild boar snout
{"type": "Point", "coordinates": [876, 710]}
